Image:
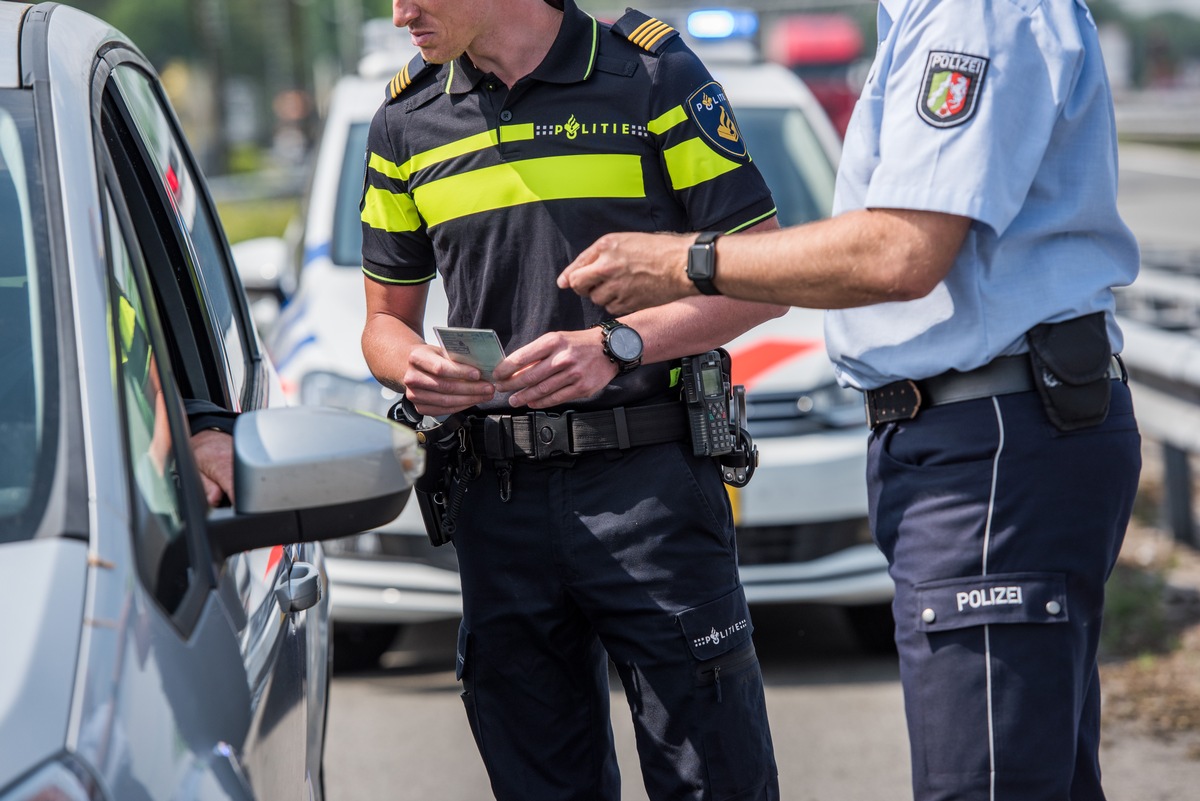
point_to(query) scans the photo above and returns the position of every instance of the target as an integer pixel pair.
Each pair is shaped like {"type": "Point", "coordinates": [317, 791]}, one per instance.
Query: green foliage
{"type": "Point", "coordinates": [249, 219]}
{"type": "Point", "coordinates": [160, 28]}
{"type": "Point", "coordinates": [1135, 618]}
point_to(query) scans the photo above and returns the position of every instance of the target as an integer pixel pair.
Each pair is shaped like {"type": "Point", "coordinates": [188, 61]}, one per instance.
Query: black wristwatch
{"type": "Point", "coordinates": [622, 345]}
{"type": "Point", "coordinates": [702, 262]}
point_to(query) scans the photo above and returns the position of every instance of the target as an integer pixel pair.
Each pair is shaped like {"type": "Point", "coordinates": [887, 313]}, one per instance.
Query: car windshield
{"type": "Point", "coordinates": [792, 161]}
{"type": "Point", "coordinates": [28, 384]}
{"type": "Point", "coordinates": [347, 227]}
{"type": "Point", "coordinates": [781, 141]}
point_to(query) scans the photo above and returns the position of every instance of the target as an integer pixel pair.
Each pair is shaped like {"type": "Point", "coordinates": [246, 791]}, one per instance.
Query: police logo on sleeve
{"type": "Point", "coordinates": [950, 90]}
{"type": "Point", "coordinates": [710, 110]}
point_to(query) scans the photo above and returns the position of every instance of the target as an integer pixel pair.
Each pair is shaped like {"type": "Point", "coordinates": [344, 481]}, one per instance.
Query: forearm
{"type": "Point", "coordinates": [387, 343]}
{"type": "Point", "coordinates": [694, 325]}
{"type": "Point", "coordinates": [856, 259]}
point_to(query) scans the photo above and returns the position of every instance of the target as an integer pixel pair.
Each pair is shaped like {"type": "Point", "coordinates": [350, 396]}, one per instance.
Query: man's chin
{"type": "Point", "coordinates": [433, 55]}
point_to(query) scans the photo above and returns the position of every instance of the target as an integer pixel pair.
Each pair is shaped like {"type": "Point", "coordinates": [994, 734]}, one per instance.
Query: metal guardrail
{"type": "Point", "coordinates": [1160, 317]}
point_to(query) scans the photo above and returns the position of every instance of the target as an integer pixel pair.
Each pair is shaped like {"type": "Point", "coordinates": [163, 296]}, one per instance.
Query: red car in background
{"type": "Point", "coordinates": [825, 50]}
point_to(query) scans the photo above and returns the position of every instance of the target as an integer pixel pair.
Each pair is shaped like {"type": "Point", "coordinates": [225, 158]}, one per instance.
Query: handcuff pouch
{"type": "Point", "coordinates": [1070, 362]}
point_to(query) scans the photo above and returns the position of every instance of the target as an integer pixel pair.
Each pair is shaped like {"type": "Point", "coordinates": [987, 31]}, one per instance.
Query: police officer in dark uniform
{"type": "Point", "coordinates": [971, 261]}
{"type": "Point", "coordinates": [525, 130]}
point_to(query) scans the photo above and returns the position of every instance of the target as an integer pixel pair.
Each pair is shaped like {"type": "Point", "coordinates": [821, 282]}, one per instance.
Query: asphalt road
{"type": "Point", "coordinates": [836, 712]}
{"type": "Point", "coordinates": [836, 715]}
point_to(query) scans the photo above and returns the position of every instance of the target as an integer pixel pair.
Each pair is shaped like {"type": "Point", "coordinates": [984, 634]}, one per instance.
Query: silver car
{"type": "Point", "coordinates": [150, 647]}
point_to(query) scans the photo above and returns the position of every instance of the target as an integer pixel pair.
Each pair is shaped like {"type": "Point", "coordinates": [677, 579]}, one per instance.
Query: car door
{"type": "Point", "coordinates": [211, 353]}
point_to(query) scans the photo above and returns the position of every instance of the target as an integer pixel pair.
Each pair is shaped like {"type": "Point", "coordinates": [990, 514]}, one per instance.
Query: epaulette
{"type": "Point", "coordinates": [406, 76]}
{"type": "Point", "coordinates": [644, 31]}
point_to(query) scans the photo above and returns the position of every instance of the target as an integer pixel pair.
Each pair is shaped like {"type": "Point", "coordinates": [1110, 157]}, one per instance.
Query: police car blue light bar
{"type": "Point", "coordinates": [722, 23]}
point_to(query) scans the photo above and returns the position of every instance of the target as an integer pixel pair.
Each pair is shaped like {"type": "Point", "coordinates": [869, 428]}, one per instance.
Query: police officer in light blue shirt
{"type": "Point", "coordinates": [989, 111]}
{"type": "Point", "coordinates": [969, 265]}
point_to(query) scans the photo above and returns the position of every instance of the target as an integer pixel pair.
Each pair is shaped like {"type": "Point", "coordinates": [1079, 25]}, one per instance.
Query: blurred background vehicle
{"type": "Point", "coordinates": [802, 529]}
{"type": "Point", "coordinates": [153, 648]}
{"type": "Point", "coordinates": [826, 51]}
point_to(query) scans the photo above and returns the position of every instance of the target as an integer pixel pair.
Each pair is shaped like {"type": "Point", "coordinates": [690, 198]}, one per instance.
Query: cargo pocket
{"type": "Point", "coordinates": [959, 603]}
{"type": "Point", "coordinates": [998, 662]}
{"type": "Point", "coordinates": [729, 709]}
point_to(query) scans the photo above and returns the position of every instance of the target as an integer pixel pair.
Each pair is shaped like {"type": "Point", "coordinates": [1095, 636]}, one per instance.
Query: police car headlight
{"type": "Point", "coordinates": [331, 389]}
{"type": "Point", "coordinates": [832, 405]}
{"type": "Point", "coordinates": [808, 411]}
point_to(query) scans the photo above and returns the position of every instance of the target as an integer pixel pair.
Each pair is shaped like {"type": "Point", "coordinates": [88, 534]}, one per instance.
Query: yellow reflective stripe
{"type": "Point", "coordinates": [384, 167]}
{"type": "Point", "coordinates": [693, 162]}
{"type": "Point", "coordinates": [595, 44]}
{"type": "Point", "coordinates": [530, 181]}
{"type": "Point", "coordinates": [390, 211]}
{"type": "Point", "coordinates": [471, 144]}
{"type": "Point", "coordinates": [448, 151]}
{"type": "Point", "coordinates": [516, 133]}
{"type": "Point", "coordinates": [665, 122]}
{"type": "Point", "coordinates": [386, 280]}
{"type": "Point", "coordinates": [127, 325]}
{"type": "Point", "coordinates": [449, 78]}
{"type": "Point", "coordinates": [755, 221]}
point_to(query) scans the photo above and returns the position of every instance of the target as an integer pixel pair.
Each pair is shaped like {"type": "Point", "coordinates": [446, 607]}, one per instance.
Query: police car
{"type": "Point", "coordinates": [802, 529]}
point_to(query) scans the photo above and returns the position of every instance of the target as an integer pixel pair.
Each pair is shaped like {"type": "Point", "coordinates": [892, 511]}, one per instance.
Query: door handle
{"type": "Point", "coordinates": [299, 589]}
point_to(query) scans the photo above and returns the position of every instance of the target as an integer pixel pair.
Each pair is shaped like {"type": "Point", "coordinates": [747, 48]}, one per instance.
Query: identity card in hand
{"type": "Point", "coordinates": [478, 347]}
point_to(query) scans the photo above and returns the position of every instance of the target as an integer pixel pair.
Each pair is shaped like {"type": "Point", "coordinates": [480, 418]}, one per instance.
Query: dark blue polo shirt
{"type": "Point", "coordinates": [621, 128]}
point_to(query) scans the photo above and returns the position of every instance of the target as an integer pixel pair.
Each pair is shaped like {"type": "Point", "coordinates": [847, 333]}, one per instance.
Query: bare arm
{"type": "Point", "coordinates": [856, 259]}
{"type": "Point", "coordinates": [399, 358]}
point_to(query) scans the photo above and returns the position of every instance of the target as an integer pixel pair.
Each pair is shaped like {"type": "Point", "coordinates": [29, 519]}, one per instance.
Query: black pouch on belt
{"type": "Point", "coordinates": [1070, 363]}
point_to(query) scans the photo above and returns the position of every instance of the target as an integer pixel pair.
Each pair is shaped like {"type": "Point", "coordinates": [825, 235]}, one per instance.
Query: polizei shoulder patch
{"type": "Point", "coordinates": [710, 110]}
{"type": "Point", "coordinates": [950, 90]}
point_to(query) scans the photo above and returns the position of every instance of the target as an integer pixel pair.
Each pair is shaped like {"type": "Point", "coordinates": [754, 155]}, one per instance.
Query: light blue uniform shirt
{"type": "Point", "coordinates": [997, 110]}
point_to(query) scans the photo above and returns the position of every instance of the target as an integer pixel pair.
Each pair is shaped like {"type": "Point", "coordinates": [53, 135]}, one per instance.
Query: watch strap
{"type": "Point", "coordinates": [702, 262]}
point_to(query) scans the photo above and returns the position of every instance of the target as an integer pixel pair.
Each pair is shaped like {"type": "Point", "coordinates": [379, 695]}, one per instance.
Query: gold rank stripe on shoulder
{"type": "Point", "coordinates": [400, 82]}
{"type": "Point", "coordinates": [648, 34]}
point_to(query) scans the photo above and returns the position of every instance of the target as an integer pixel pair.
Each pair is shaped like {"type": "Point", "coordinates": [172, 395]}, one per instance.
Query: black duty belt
{"type": "Point", "coordinates": [547, 435]}
{"type": "Point", "coordinates": [901, 400]}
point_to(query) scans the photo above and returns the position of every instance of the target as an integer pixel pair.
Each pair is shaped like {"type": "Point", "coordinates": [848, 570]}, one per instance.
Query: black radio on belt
{"type": "Point", "coordinates": [717, 414]}
{"type": "Point", "coordinates": [709, 400]}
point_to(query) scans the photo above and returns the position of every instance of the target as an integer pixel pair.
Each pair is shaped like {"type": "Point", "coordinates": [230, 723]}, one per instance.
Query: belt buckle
{"type": "Point", "coordinates": [550, 433]}
{"type": "Point", "coordinates": [900, 400]}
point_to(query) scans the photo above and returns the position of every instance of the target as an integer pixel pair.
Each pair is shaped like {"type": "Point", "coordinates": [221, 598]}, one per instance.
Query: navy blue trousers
{"type": "Point", "coordinates": [628, 555]}
{"type": "Point", "coordinates": [1001, 531]}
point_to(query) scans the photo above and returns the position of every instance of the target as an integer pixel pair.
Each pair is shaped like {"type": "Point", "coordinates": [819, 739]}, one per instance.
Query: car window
{"type": "Point", "coordinates": [347, 222]}
{"type": "Point", "coordinates": [792, 161]}
{"type": "Point", "coordinates": [28, 361]}
{"type": "Point", "coordinates": [194, 221]}
{"type": "Point", "coordinates": [164, 559]}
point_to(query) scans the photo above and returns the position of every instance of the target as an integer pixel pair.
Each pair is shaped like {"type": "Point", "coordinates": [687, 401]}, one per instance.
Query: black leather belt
{"type": "Point", "coordinates": [1005, 375]}
{"type": "Point", "coordinates": [547, 435]}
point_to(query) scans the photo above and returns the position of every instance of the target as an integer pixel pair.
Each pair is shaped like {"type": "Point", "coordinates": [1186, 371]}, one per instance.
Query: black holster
{"type": "Point", "coordinates": [450, 466]}
{"type": "Point", "coordinates": [1070, 362]}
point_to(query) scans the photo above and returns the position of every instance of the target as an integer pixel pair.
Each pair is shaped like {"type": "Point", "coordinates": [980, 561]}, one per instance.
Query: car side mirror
{"type": "Point", "coordinates": [309, 473]}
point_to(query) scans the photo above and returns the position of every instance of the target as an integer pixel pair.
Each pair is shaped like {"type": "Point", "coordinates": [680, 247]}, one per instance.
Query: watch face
{"type": "Point", "coordinates": [625, 343]}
